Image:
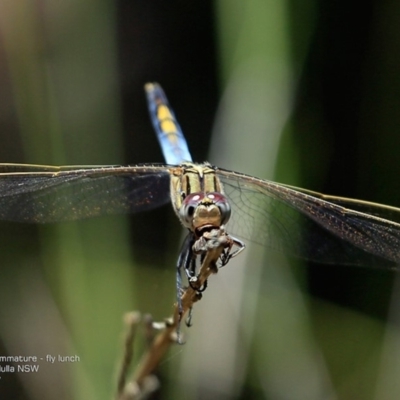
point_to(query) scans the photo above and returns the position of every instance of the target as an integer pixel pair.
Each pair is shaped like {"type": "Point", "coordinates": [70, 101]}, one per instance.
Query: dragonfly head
{"type": "Point", "coordinates": [204, 211]}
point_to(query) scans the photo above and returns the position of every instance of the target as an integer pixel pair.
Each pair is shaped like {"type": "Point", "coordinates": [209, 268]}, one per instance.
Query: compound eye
{"type": "Point", "coordinates": [189, 205]}
{"type": "Point", "coordinates": [222, 203]}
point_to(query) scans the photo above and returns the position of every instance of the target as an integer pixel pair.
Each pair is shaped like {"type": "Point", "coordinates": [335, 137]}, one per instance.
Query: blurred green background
{"type": "Point", "coordinates": [305, 93]}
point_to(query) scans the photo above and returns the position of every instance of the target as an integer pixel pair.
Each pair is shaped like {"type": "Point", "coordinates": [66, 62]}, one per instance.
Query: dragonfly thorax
{"type": "Point", "coordinates": [204, 211]}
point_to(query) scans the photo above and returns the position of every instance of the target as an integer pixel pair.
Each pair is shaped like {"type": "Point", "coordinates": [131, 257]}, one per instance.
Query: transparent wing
{"type": "Point", "coordinates": [310, 225]}
{"type": "Point", "coordinates": [169, 133]}
{"type": "Point", "coordinates": [42, 194]}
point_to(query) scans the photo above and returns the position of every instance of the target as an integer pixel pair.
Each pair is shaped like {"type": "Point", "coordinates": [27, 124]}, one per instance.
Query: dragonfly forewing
{"type": "Point", "coordinates": [53, 194]}
{"type": "Point", "coordinates": [303, 224]}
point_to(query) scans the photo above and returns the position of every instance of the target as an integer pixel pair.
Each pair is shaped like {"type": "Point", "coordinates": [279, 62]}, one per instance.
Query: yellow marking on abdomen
{"type": "Point", "coordinates": [169, 128]}
{"type": "Point", "coordinates": [163, 112]}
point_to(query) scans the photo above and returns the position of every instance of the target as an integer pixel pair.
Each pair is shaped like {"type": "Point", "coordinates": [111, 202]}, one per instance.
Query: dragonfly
{"type": "Point", "coordinates": [298, 222]}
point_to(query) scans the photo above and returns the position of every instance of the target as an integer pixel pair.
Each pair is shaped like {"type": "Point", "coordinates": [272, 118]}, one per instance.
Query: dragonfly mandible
{"type": "Point", "coordinates": [298, 222]}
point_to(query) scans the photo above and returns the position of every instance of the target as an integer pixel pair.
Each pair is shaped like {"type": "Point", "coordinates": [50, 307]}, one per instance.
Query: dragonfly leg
{"type": "Point", "coordinates": [215, 238]}
{"type": "Point", "coordinates": [227, 254]}
{"type": "Point", "coordinates": [192, 284]}
{"type": "Point", "coordinates": [191, 270]}
{"type": "Point", "coordinates": [184, 260]}
{"type": "Point", "coordinates": [188, 321]}
{"type": "Point", "coordinates": [191, 273]}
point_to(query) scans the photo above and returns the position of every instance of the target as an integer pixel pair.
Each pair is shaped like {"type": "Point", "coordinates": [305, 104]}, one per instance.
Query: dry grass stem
{"type": "Point", "coordinates": [210, 247]}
